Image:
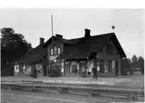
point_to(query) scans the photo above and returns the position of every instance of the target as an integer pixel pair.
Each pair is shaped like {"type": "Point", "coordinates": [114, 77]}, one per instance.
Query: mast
{"type": "Point", "coordinates": [52, 26]}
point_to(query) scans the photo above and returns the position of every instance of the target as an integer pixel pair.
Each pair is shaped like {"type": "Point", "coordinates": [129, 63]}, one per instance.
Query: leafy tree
{"type": "Point", "coordinates": [125, 64]}
{"type": "Point", "coordinates": [13, 46]}
{"type": "Point", "coordinates": [141, 64]}
{"type": "Point", "coordinates": [134, 59]}
{"type": "Point", "coordinates": [134, 63]}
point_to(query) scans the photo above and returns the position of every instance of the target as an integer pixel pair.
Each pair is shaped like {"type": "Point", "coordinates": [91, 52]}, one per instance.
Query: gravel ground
{"type": "Point", "coordinates": [122, 80]}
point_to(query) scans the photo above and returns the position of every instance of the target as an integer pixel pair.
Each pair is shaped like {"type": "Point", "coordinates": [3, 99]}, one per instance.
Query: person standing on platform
{"type": "Point", "coordinates": [94, 69]}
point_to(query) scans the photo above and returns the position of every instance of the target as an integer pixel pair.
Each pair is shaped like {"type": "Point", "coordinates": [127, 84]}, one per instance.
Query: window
{"type": "Point", "coordinates": [55, 50]}
{"type": "Point", "coordinates": [109, 66]}
{"type": "Point", "coordinates": [58, 50]}
{"type": "Point", "coordinates": [101, 66]}
{"type": "Point", "coordinates": [51, 53]}
{"type": "Point", "coordinates": [113, 64]}
{"type": "Point", "coordinates": [106, 66]}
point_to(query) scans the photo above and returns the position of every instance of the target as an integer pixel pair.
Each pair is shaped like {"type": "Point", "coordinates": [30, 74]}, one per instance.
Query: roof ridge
{"type": "Point", "coordinates": [110, 33]}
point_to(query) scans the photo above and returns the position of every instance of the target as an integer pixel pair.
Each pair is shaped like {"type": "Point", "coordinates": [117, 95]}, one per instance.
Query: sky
{"type": "Point", "coordinates": [35, 23]}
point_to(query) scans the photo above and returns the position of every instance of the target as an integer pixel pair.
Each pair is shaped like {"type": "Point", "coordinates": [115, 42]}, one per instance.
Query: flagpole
{"type": "Point", "coordinates": [52, 26]}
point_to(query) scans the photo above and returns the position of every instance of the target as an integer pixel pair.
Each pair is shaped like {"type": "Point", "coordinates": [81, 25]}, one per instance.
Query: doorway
{"type": "Point", "coordinates": [82, 70]}
{"type": "Point", "coordinates": [116, 66]}
{"type": "Point", "coordinates": [67, 69]}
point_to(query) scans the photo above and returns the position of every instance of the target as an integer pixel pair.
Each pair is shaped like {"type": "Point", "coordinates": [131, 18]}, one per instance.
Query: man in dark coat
{"type": "Point", "coordinates": [94, 69]}
{"type": "Point", "coordinates": [35, 73]}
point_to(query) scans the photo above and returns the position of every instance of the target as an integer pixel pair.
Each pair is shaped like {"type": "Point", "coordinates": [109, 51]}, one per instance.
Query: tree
{"type": "Point", "coordinates": [141, 64]}
{"type": "Point", "coordinates": [125, 64]}
{"type": "Point", "coordinates": [134, 63]}
{"type": "Point", "coordinates": [13, 46]}
{"type": "Point", "coordinates": [134, 59]}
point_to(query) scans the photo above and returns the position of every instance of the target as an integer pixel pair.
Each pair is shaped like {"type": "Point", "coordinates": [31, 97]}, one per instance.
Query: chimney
{"type": "Point", "coordinates": [59, 36]}
{"type": "Point", "coordinates": [41, 41]}
{"type": "Point", "coordinates": [87, 33]}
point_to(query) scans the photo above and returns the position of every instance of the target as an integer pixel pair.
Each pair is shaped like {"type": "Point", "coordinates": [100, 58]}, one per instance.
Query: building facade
{"type": "Point", "coordinates": [33, 60]}
{"type": "Point", "coordinates": [76, 57]}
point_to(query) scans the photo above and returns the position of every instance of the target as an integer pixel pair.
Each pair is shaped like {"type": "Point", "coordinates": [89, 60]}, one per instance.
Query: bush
{"type": "Point", "coordinates": [54, 71]}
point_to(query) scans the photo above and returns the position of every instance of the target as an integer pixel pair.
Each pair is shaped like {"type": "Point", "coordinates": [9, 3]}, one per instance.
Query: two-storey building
{"type": "Point", "coordinates": [76, 57]}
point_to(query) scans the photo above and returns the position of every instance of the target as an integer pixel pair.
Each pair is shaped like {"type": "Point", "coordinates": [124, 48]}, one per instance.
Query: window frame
{"type": "Point", "coordinates": [58, 50]}
{"type": "Point", "coordinates": [51, 51]}
{"type": "Point", "coordinates": [55, 50]}
{"type": "Point", "coordinates": [106, 67]}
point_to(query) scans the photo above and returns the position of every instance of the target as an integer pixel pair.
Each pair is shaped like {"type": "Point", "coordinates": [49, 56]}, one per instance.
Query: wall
{"type": "Point", "coordinates": [27, 69]}
{"type": "Point", "coordinates": [56, 43]}
{"type": "Point", "coordinates": [22, 70]}
{"type": "Point", "coordinates": [114, 56]}
{"type": "Point", "coordinates": [103, 55]}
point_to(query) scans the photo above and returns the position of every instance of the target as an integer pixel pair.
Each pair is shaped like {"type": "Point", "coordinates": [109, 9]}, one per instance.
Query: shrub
{"type": "Point", "coordinates": [54, 71]}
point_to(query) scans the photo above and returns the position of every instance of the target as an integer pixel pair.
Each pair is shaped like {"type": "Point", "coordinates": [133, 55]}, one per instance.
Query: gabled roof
{"type": "Point", "coordinates": [54, 38]}
{"type": "Point", "coordinates": [85, 46]}
{"type": "Point", "coordinates": [35, 55]}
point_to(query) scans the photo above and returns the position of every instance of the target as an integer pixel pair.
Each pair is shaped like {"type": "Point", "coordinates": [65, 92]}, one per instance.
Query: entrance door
{"type": "Point", "coordinates": [116, 66]}
{"type": "Point", "coordinates": [73, 69]}
{"type": "Point", "coordinates": [82, 68]}
{"type": "Point", "coordinates": [67, 69]}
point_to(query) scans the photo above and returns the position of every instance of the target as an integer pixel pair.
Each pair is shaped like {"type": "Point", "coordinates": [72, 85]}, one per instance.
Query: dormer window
{"type": "Point", "coordinates": [58, 50]}
{"type": "Point", "coordinates": [55, 50]}
{"type": "Point", "coordinates": [51, 51]}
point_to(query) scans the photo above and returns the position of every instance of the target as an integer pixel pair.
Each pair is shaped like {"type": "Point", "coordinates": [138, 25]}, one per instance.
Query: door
{"type": "Point", "coordinates": [74, 70]}
{"type": "Point", "coordinates": [116, 66]}
{"type": "Point", "coordinates": [67, 69]}
{"type": "Point", "coordinates": [82, 68]}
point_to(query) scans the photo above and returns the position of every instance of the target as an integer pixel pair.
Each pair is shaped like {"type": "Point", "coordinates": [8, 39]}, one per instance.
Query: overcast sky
{"type": "Point", "coordinates": [36, 23]}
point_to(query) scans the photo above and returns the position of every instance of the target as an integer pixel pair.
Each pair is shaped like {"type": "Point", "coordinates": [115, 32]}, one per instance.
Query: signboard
{"type": "Point", "coordinates": [53, 57]}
